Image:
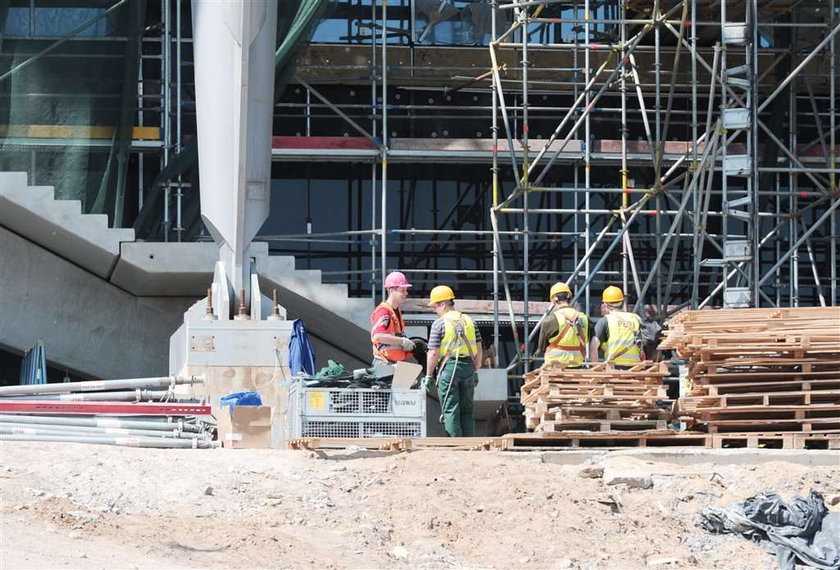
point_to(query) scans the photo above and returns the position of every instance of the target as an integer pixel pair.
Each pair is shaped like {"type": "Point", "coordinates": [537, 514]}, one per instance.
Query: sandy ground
{"type": "Point", "coordinates": [85, 507]}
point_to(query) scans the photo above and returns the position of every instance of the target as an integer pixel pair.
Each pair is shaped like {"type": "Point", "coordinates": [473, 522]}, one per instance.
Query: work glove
{"type": "Point", "coordinates": [429, 383]}
{"type": "Point", "coordinates": [475, 380]}
{"type": "Point", "coordinates": [407, 344]}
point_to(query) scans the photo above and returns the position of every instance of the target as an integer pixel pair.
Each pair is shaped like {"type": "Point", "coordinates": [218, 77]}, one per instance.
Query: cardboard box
{"type": "Point", "coordinates": [248, 427]}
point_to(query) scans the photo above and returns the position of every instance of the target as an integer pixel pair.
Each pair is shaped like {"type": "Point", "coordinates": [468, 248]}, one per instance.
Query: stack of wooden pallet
{"type": "Point", "coordinates": [760, 370]}
{"type": "Point", "coordinates": [600, 398]}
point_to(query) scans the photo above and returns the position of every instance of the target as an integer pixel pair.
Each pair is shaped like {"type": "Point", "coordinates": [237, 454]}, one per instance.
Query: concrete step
{"type": "Point", "coordinates": [44, 193]}
{"type": "Point", "coordinates": [181, 270]}
{"type": "Point", "coordinates": [307, 283]}
{"type": "Point", "coordinates": [59, 225]}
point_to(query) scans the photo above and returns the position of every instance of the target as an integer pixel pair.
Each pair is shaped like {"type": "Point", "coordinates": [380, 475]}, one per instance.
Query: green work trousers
{"type": "Point", "coordinates": [456, 402]}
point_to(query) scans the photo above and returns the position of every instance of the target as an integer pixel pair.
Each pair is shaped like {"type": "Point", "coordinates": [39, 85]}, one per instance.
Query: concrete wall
{"type": "Point", "coordinates": [88, 325]}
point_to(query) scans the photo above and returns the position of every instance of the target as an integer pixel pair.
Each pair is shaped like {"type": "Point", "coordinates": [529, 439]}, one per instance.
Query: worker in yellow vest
{"type": "Point", "coordinates": [564, 335]}
{"type": "Point", "coordinates": [454, 357]}
{"type": "Point", "coordinates": [618, 333]}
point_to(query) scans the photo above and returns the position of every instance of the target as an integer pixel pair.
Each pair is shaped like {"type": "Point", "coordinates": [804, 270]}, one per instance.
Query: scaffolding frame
{"type": "Point", "coordinates": [708, 156]}
{"type": "Point", "coordinates": [638, 234]}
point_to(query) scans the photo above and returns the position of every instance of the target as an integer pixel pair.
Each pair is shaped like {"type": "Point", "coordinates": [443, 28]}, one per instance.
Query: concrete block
{"type": "Point", "coordinates": [594, 472]}
{"type": "Point", "coordinates": [626, 471]}
{"type": "Point", "coordinates": [165, 269]}
{"type": "Point", "coordinates": [632, 480]}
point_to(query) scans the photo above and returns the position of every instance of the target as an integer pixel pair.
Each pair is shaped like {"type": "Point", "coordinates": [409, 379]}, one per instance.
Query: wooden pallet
{"type": "Point", "coordinates": [570, 413]}
{"type": "Point", "coordinates": [599, 398]}
{"type": "Point", "coordinates": [687, 324]}
{"type": "Point", "coordinates": [766, 425]}
{"type": "Point", "coordinates": [545, 441]}
{"type": "Point", "coordinates": [760, 370]}
{"type": "Point", "coordinates": [770, 364]}
{"type": "Point", "coordinates": [574, 439]}
{"type": "Point", "coordinates": [397, 444]}
{"type": "Point", "coordinates": [601, 425]}
{"type": "Point", "coordinates": [792, 385]}
{"type": "Point", "coordinates": [802, 412]}
{"type": "Point", "coordinates": [702, 399]}
{"type": "Point", "coordinates": [776, 440]}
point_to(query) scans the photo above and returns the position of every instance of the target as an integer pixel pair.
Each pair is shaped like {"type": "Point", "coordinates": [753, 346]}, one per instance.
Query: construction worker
{"type": "Point", "coordinates": [564, 335]}
{"type": "Point", "coordinates": [387, 333]}
{"type": "Point", "coordinates": [618, 333]}
{"type": "Point", "coordinates": [455, 356]}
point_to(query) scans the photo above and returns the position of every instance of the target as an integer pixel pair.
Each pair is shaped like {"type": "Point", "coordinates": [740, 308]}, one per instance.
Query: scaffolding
{"type": "Point", "coordinates": [685, 150]}
{"type": "Point", "coordinates": [730, 175]}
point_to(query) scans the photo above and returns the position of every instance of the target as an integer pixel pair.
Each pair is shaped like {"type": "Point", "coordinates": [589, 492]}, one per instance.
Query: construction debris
{"type": "Point", "coordinates": [601, 398]}
{"type": "Point", "coordinates": [760, 370]}
{"type": "Point", "coordinates": [800, 532]}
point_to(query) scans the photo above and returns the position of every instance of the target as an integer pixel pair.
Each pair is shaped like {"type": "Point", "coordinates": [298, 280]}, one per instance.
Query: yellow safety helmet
{"type": "Point", "coordinates": [612, 294]}
{"type": "Point", "coordinates": [440, 293]}
{"type": "Point", "coordinates": [557, 289]}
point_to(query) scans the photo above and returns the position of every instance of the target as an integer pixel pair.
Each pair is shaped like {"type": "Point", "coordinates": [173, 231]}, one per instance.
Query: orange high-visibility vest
{"type": "Point", "coordinates": [386, 352]}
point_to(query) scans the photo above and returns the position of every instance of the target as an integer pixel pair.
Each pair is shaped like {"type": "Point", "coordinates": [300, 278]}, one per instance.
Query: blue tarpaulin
{"type": "Point", "coordinates": [301, 355]}
{"type": "Point", "coordinates": [241, 399]}
{"type": "Point", "coordinates": [33, 368]}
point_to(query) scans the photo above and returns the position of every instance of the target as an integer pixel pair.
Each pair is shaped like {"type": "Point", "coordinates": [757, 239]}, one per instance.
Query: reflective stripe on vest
{"type": "Point", "coordinates": [382, 351]}
{"type": "Point", "coordinates": [453, 344]}
{"type": "Point", "coordinates": [571, 347]}
{"type": "Point", "coordinates": [622, 330]}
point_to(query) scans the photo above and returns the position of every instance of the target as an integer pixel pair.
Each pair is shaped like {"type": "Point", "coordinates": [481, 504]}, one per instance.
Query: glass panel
{"type": "Point", "coordinates": [62, 21]}
{"type": "Point", "coordinates": [17, 22]}
{"type": "Point", "coordinates": [59, 112]}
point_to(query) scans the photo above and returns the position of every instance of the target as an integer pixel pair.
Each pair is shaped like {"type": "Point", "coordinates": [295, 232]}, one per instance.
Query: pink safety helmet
{"type": "Point", "coordinates": [396, 279]}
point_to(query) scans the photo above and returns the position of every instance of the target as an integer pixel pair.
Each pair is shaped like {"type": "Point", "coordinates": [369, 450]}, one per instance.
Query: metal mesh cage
{"type": "Point", "coordinates": [342, 402]}
{"type": "Point", "coordinates": [329, 429]}
{"type": "Point", "coordinates": [400, 429]}
{"type": "Point", "coordinates": [358, 402]}
{"type": "Point", "coordinates": [352, 413]}
{"type": "Point", "coordinates": [319, 428]}
{"type": "Point", "coordinates": [375, 402]}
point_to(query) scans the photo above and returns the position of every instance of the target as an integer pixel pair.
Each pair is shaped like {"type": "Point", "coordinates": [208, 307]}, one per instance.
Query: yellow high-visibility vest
{"type": "Point", "coordinates": [621, 346]}
{"type": "Point", "coordinates": [569, 344]}
{"type": "Point", "coordinates": [453, 344]}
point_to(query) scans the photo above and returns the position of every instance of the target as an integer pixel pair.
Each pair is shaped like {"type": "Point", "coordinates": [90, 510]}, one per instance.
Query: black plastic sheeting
{"type": "Point", "coordinates": [802, 532]}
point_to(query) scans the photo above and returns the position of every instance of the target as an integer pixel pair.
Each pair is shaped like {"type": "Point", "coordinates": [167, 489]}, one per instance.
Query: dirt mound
{"type": "Point", "coordinates": [99, 507]}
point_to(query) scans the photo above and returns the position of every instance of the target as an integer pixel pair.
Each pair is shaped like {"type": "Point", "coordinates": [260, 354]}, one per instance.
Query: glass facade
{"type": "Point", "coordinates": [97, 100]}
{"type": "Point", "coordinates": [69, 99]}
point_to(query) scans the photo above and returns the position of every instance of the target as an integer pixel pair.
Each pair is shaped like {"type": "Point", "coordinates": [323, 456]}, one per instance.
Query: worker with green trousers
{"type": "Point", "coordinates": [454, 354]}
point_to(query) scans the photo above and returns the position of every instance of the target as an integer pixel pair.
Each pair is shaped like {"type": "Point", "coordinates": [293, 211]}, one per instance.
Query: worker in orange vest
{"type": "Point", "coordinates": [387, 333]}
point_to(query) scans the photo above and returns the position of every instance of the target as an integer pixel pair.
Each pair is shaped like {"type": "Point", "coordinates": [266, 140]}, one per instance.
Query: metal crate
{"type": "Point", "coordinates": [355, 413]}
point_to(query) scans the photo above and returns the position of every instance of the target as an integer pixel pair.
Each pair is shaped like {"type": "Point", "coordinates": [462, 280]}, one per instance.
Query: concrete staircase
{"type": "Point", "coordinates": [147, 274]}
{"type": "Point", "coordinates": [59, 225]}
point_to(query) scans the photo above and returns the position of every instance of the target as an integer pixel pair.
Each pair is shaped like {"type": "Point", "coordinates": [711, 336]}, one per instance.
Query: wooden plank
{"type": "Point", "coordinates": [601, 425]}
{"type": "Point", "coordinates": [791, 386]}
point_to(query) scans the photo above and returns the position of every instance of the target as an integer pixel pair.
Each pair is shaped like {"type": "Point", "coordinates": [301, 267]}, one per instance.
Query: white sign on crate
{"type": "Point", "coordinates": [407, 403]}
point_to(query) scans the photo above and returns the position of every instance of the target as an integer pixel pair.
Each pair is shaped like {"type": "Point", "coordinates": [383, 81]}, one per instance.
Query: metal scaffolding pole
{"type": "Point", "coordinates": [525, 183]}
{"type": "Point", "coordinates": [832, 157]}
{"type": "Point", "coordinates": [383, 269]}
